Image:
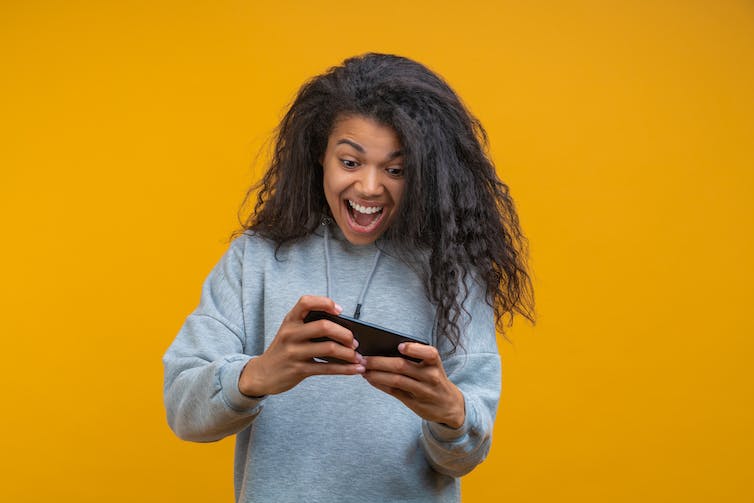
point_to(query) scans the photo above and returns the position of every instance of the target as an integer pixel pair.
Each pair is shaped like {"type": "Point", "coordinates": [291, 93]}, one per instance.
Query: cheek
{"type": "Point", "coordinates": [398, 193]}
{"type": "Point", "coordinates": [330, 195]}
{"type": "Point", "coordinates": [335, 181]}
{"type": "Point", "coordinates": [332, 188]}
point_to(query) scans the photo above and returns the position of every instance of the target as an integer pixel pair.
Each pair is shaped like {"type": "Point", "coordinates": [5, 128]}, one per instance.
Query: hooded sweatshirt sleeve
{"type": "Point", "coordinates": [204, 362]}
{"type": "Point", "coordinates": [475, 368]}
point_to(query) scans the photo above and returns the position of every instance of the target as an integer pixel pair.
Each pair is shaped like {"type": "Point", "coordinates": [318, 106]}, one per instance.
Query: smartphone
{"type": "Point", "coordinates": [373, 339]}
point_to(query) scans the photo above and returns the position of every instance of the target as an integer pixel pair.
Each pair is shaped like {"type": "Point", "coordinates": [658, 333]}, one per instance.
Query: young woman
{"type": "Point", "coordinates": [380, 203]}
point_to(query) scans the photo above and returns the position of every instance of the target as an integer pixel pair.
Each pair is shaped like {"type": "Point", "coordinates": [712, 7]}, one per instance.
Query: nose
{"type": "Point", "coordinates": [369, 183]}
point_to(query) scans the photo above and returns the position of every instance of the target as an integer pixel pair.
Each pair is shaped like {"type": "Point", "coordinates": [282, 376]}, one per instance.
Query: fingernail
{"type": "Point", "coordinates": [360, 369]}
{"type": "Point", "coordinates": [338, 308]}
{"type": "Point", "coordinates": [355, 344]}
{"type": "Point", "coordinates": [401, 347]}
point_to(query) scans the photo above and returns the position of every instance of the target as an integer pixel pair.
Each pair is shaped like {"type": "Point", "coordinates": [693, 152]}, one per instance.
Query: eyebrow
{"type": "Point", "coordinates": [361, 149]}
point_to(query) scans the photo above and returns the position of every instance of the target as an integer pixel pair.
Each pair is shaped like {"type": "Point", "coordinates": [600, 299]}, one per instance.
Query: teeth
{"type": "Point", "coordinates": [367, 210]}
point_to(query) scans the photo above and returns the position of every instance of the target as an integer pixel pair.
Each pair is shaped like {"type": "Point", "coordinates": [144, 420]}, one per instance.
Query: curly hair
{"type": "Point", "coordinates": [456, 217]}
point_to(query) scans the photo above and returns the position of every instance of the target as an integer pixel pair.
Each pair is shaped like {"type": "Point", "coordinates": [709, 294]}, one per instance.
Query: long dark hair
{"type": "Point", "coordinates": [454, 209]}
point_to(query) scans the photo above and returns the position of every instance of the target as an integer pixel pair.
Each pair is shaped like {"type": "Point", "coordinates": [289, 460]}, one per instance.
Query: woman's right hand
{"type": "Point", "coordinates": [290, 357]}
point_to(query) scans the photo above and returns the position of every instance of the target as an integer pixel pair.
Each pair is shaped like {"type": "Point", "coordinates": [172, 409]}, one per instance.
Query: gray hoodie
{"type": "Point", "coordinates": [331, 438]}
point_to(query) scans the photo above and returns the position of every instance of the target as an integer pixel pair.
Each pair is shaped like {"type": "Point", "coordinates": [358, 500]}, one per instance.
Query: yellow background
{"type": "Point", "coordinates": [625, 129]}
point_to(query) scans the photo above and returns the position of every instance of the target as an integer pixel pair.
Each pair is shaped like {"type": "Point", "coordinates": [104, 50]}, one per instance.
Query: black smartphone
{"type": "Point", "coordinates": [373, 339]}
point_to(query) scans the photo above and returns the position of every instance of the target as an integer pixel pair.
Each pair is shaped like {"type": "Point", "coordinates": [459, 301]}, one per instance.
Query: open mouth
{"type": "Point", "coordinates": [364, 218]}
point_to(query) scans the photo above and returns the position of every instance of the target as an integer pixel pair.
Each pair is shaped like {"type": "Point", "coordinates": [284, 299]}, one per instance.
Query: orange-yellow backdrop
{"type": "Point", "coordinates": [625, 129]}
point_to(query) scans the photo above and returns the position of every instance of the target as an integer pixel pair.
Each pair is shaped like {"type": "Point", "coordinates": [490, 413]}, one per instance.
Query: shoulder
{"type": "Point", "coordinates": [479, 317]}
{"type": "Point", "coordinates": [251, 248]}
{"type": "Point", "coordinates": [250, 241]}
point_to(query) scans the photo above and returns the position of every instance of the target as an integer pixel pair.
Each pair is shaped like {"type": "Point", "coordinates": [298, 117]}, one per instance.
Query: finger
{"type": "Point", "coordinates": [395, 382]}
{"type": "Point", "coordinates": [427, 354]}
{"type": "Point", "coordinates": [326, 328]}
{"type": "Point", "coordinates": [331, 349]}
{"type": "Point", "coordinates": [399, 394]}
{"type": "Point", "coordinates": [395, 365]}
{"type": "Point", "coordinates": [313, 303]}
{"type": "Point", "coordinates": [315, 368]}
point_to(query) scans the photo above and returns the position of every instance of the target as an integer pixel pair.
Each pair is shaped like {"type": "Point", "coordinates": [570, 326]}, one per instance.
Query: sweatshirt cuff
{"type": "Point", "coordinates": [444, 433]}
{"type": "Point", "coordinates": [230, 371]}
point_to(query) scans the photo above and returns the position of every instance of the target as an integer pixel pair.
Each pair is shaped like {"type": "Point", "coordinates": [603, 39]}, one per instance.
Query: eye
{"type": "Point", "coordinates": [395, 171]}
{"type": "Point", "coordinates": [349, 163]}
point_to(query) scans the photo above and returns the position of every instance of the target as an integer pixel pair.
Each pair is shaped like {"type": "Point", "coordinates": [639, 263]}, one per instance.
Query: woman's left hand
{"type": "Point", "coordinates": [423, 387]}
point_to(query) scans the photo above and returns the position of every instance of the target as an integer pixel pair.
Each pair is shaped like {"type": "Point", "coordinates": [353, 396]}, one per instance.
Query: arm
{"type": "Point", "coordinates": [456, 451]}
{"type": "Point", "coordinates": [204, 362]}
{"type": "Point", "coordinates": [456, 397]}
{"type": "Point", "coordinates": [212, 387]}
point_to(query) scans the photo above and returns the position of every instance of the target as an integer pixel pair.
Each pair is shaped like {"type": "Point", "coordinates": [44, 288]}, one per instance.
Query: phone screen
{"type": "Point", "coordinates": [373, 339]}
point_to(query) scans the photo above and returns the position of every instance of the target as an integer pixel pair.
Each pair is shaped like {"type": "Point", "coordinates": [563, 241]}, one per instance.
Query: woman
{"type": "Point", "coordinates": [379, 198]}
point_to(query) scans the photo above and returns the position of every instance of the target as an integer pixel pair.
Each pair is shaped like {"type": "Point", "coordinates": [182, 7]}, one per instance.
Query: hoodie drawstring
{"type": "Point", "coordinates": [325, 223]}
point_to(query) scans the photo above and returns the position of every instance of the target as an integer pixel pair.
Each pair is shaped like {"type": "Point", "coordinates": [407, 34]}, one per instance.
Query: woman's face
{"type": "Point", "coordinates": [363, 177]}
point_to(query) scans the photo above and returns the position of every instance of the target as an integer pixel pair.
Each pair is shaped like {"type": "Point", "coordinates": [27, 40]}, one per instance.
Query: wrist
{"type": "Point", "coordinates": [248, 382]}
{"type": "Point", "coordinates": [455, 422]}
{"type": "Point", "coordinates": [457, 415]}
